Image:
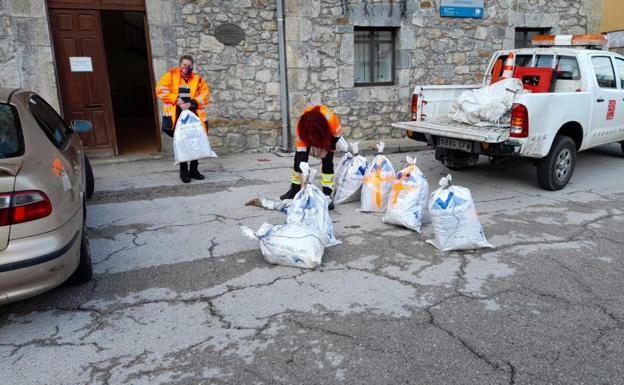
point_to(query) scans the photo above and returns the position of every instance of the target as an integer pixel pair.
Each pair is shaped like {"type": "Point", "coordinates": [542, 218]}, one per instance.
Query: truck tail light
{"type": "Point", "coordinates": [414, 107]}
{"type": "Point", "coordinates": [23, 206]}
{"type": "Point", "coordinates": [519, 121]}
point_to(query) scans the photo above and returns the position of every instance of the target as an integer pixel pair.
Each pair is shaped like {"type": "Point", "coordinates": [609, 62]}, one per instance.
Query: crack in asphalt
{"type": "Point", "coordinates": [508, 368]}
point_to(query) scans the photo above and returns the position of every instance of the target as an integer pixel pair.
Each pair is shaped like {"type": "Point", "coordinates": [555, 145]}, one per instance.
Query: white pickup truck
{"type": "Point", "coordinates": [582, 108]}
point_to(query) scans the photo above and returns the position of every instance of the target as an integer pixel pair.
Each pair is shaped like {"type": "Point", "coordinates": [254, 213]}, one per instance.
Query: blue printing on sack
{"type": "Point", "coordinates": [444, 205]}
{"type": "Point", "coordinates": [190, 118]}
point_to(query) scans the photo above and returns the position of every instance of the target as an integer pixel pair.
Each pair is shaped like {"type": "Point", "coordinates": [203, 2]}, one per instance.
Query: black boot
{"type": "Point", "coordinates": [290, 194]}
{"type": "Point", "coordinates": [328, 192]}
{"type": "Point", "coordinates": [193, 172]}
{"type": "Point", "coordinates": [184, 174]}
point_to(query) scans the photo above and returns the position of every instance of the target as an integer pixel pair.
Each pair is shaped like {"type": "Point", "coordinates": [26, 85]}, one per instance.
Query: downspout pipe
{"type": "Point", "coordinates": [281, 37]}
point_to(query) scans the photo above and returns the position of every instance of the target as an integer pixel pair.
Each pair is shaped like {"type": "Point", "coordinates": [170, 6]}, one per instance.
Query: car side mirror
{"type": "Point", "coordinates": [81, 126]}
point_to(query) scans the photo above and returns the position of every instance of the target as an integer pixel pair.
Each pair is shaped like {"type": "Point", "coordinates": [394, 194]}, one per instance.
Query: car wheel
{"type": "Point", "coordinates": [84, 272]}
{"type": "Point", "coordinates": [555, 170]}
{"type": "Point", "coordinates": [90, 180]}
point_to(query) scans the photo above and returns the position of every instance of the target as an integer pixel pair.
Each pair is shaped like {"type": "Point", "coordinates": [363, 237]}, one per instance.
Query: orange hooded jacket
{"type": "Point", "coordinates": [167, 92]}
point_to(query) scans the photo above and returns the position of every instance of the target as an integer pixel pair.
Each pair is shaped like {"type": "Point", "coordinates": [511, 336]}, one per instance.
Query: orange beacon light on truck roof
{"type": "Point", "coordinates": [596, 41]}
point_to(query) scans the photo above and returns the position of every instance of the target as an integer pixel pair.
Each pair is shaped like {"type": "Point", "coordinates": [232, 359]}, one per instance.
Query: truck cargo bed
{"type": "Point", "coordinates": [488, 134]}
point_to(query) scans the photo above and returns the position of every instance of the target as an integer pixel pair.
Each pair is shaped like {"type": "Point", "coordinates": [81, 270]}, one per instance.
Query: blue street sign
{"type": "Point", "coordinates": [462, 8]}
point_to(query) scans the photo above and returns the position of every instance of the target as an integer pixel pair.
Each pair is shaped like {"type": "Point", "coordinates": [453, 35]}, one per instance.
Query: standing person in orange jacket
{"type": "Point", "coordinates": [181, 89]}
{"type": "Point", "coordinates": [318, 131]}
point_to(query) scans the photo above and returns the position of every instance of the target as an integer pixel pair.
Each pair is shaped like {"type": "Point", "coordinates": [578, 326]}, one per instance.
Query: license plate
{"type": "Point", "coordinates": [455, 144]}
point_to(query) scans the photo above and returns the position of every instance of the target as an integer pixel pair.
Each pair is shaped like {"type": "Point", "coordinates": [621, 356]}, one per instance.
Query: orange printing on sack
{"type": "Point", "coordinates": [376, 179]}
{"type": "Point", "coordinates": [400, 185]}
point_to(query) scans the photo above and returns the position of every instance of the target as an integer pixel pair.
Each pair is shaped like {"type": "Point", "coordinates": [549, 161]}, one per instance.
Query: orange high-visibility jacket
{"type": "Point", "coordinates": [167, 91]}
{"type": "Point", "coordinates": [332, 120]}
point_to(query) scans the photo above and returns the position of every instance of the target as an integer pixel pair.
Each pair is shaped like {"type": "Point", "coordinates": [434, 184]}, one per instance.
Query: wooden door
{"type": "Point", "coordinates": [83, 75]}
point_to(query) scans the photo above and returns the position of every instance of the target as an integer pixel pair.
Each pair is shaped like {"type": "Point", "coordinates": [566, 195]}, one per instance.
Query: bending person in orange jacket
{"type": "Point", "coordinates": [180, 89]}
{"type": "Point", "coordinates": [318, 131]}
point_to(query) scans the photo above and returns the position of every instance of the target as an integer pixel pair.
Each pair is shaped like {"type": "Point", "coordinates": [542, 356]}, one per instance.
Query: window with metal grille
{"type": "Point", "coordinates": [374, 56]}
{"type": "Point", "coordinates": [525, 35]}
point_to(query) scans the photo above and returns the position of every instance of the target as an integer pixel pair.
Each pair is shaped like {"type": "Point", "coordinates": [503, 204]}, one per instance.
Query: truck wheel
{"type": "Point", "coordinates": [90, 180]}
{"type": "Point", "coordinates": [555, 170]}
{"type": "Point", "coordinates": [456, 160]}
{"type": "Point", "coordinates": [84, 271]}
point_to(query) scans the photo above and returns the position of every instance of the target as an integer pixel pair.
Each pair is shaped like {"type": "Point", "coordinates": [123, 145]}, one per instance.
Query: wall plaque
{"type": "Point", "coordinates": [229, 34]}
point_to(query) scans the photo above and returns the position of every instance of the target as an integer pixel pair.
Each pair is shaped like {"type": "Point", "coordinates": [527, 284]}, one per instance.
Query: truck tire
{"type": "Point", "coordinates": [456, 160]}
{"type": "Point", "coordinates": [90, 179]}
{"type": "Point", "coordinates": [84, 271]}
{"type": "Point", "coordinates": [555, 170]}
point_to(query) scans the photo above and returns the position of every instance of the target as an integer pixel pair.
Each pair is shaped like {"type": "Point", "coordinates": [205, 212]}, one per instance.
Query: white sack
{"type": "Point", "coordinates": [408, 198]}
{"type": "Point", "coordinates": [349, 176]}
{"type": "Point", "coordinates": [487, 104]}
{"type": "Point", "coordinates": [290, 244]}
{"type": "Point", "coordinates": [190, 141]}
{"type": "Point", "coordinates": [455, 222]}
{"type": "Point", "coordinates": [377, 183]}
{"type": "Point", "coordinates": [309, 208]}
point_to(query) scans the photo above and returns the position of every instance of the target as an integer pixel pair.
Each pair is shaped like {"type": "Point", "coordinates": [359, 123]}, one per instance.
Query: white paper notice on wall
{"type": "Point", "coordinates": [80, 64]}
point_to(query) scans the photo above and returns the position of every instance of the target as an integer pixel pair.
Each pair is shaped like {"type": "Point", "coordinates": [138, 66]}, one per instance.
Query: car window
{"type": "Point", "coordinates": [50, 122]}
{"type": "Point", "coordinates": [544, 61]}
{"type": "Point", "coordinates": [11, 141]}
{"type": "Point", "coordinates": [568, 68]}
{"type": "Point", "coordinates": [523, 60]}
{"type": "Point", "coordinates": [604, 72]}
{"type": "Point", "coordinates": [619, 64]}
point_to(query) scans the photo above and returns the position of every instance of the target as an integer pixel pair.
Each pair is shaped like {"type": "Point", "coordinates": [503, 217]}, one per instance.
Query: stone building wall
{"type": "Point", "coordinates": [244, 111]}
{"type": "Point", "coordinates": [26, 59]}
{"type": "Point", "coordinates": [429, 50]}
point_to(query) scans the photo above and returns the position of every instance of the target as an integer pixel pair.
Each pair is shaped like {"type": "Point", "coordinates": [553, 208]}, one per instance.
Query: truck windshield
{"type": "Point", "coordinates": [11, 141]}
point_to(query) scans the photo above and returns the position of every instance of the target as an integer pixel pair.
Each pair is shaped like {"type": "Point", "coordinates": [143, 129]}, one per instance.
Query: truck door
{"type": "Point", "coordinates": [607, 101]}
{"type": "Point", "coordinates": [619, 112]}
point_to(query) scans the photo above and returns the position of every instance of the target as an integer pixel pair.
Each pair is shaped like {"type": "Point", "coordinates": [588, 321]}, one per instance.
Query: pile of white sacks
{"type": "Point", "coordinates": [402, 196]}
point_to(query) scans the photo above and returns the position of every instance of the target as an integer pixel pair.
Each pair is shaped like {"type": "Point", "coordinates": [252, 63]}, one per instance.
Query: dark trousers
{"type": "Point", "coordinates": [184, 166]}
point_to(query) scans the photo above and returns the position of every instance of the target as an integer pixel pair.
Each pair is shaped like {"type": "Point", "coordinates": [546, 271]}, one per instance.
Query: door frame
{"type": "Point", "coordinates": [138, 6]}
{"type": "Point", "coordinates": [152, 78]}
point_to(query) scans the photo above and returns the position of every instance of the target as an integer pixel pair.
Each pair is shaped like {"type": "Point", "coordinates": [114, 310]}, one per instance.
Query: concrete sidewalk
{"type": "Point", "coordinates": [367, 147]}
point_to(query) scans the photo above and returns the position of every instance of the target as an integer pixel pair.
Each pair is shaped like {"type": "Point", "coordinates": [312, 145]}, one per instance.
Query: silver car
{"type": "Point", "coordinates": [45, 179]}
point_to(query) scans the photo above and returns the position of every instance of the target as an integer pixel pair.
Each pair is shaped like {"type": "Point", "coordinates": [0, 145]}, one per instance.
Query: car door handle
{"type": "Point", "coordinates": [600, 100]}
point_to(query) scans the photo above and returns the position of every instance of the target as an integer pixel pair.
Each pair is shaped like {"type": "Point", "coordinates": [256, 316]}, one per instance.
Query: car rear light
{"type": "Point", "coordinates": [5, 209]}
{"type": "Point", "coordinates": [23, 206]}
{"type": "Point", "coordinates": [414, 107]}
{"type": "Point", "coordinates": [519, 121]}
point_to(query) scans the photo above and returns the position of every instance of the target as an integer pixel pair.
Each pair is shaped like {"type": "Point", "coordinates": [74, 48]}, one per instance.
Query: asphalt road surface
{"type": "Point", "coordinates": [181, 297]}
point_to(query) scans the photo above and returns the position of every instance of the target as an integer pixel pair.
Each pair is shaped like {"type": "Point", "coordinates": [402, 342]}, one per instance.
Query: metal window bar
{"type": "Point", "coordinates": [373, 41]}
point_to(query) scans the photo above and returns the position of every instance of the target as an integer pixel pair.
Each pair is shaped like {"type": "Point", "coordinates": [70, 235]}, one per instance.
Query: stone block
{"type": "Point", "coordinates": [346, 76]}
{"type": "Point", "coordinates": [345, 48]}
{"type": "Point", "coordinates": [24, 8]}
{"type": "Point", "coordinates": [273, 89]}
{"type": "Point", "coordinates": [264, 76]}
{"type": "Point", "coordinates": [303, 8]}
{"type": "Point", "coordinates": [481, 33]}
{"type": "Point", "coordinates": [210, 44]}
